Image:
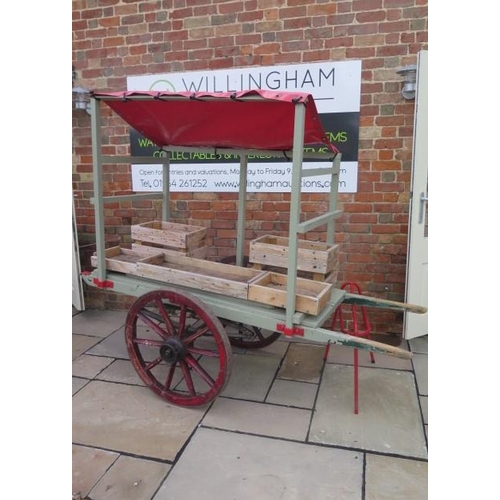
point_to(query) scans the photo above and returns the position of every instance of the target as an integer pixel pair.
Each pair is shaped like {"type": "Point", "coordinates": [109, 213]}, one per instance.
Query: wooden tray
{"type": "Point", "coordinates": [311, 296]}
{"type": "Point", "coordinates": [171, 235]}
{"type": "Point", "coordinates": [313, 256]}
{"type": "Point", "coordinates": [123, 260]}
{"type": "Point", "coordinates": [224, 279]}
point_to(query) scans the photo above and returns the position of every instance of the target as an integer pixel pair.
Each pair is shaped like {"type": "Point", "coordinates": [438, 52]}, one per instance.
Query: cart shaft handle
{"type": "Point", "coordinates": [374, 346]}
{"type": "Point", "coordinates": [353, 298]}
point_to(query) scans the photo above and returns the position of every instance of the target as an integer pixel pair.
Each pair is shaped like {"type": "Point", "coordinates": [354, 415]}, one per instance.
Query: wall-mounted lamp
{"type": "Point", "coordinates": [81, 99]}
{"type": "Point", "coordinates": [409, 74]}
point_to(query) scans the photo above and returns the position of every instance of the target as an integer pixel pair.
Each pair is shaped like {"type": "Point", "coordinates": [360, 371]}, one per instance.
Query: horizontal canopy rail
{"type": "Point", "coordinates": [249, 153]}
{"type": "Point", "coordinates": [129, 197]}
{"type": "Point", "coordinates": [320, 220]}
{"type": "Point", "coordinates": [315, 172]}
{"type": "Point", "coordinates": [182, 96]}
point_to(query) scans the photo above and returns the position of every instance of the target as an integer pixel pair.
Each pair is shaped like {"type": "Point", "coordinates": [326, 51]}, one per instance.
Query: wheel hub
{"type": "Point", "coordinates": [172, 351]}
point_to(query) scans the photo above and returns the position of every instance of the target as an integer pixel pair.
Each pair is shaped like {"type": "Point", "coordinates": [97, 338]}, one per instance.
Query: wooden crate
{"type": "Point", "coordinates": [224, 279]}
{"type": "Point", "coordinates": [311, 296]}
{"type": "Point", "coordinates": [313, 256]}
{"type": "Point", "coordinates": [172, 235]}
{"type": "Point", "coordinates": [124, 260]}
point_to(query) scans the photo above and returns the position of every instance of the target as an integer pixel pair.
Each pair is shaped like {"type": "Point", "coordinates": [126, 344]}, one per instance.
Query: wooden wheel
{"type": "Point", "coordinates": [248, 337]}
{"type": "Point", "coordinates": [178, 347]}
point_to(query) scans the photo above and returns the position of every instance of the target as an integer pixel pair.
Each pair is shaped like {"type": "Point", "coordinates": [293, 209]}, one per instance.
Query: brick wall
{"type": "Point", "coordinates": [113, 39]}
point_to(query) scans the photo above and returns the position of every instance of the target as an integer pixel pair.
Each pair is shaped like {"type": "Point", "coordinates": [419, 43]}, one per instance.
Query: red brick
{"type": "Point", "coordinates": [290, 12]}
{"type": "Point", "coordinates": [381, 203]}
{"type": "Point", "coordinates": [288, 58]}
{"type": "Point", "coordinates": [267, 48]}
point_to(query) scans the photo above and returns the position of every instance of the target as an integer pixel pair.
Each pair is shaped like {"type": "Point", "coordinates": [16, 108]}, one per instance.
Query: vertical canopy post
{"type": "Point", "coordinates": [165, 209]}
{"type": "Point", "coordinates": [242, 199]}
{"type": "Point", "coordinates": [95, 113]}
{"type": "Point", "coordinates": [295, 202]}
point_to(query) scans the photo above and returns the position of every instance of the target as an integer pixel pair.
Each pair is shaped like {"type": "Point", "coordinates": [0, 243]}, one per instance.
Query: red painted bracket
{"type": "Point", "coordinates": [99, 283]}
{"type": "Point", "coordinates": [103, 283]}
{"type": "Point", "coordinates": [290, 332]}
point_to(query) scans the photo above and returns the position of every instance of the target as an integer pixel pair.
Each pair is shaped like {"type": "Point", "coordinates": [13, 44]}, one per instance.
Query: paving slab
{"type": "Point", "coordinates": [424, 404]}
{"type": "Point", "coordinates": [89, 465]}
{"type": "Point", "coordinates": [82, 343]}
{"type": "Point", "coordinates": [227, 466]}
{"type": "Point", "coordinates": [98, 323]}
{"type": "Point", "coordinates": [78, 383]}
{"type": "Point", "coordinates": [420, 345]}
{"type": "Point", "coordinates": [277, 348]}
{"type": "Point", "coordinates": [251, 376]}
{"type": "Point", "coordinates": [122, 371]}
{"type": "Point", "coordinates": [257, 418]}
{"type": "Point", "coordinates": [292, 393]}
{"type": "Point", "coordinates": [389, 478]}
{"type": "Point", "coordinates": [303, 362]}
{"type": "Point", "coordinates": [345, 355]}
{"type": "Point", "coordinates": [131, 419]}
{"type": "Point", "coordinates": [89, 366]}
{"type": "Point", "coordinates": [420, 364]}
{"type": "Point", "coordinates": [389, 419]}
{"type": "Point", "coordinates": [113, 346]}
{"type": "Point", "coordinates": [130, 478]}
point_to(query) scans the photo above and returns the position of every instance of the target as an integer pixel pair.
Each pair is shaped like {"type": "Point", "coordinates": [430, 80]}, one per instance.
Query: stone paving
{"type": "Point", "coordinates": [283, 428]}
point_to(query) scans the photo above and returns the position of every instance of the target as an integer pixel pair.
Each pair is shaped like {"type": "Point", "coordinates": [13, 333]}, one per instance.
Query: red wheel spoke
{"type": "Point", "coordinates": [258, 332]}
{"type": "Point", "coordinates": [151, 365]}
{"type": "Point", "coordinates": [154, 343]}
{"type": "Point", "coordinates": [154, 326]}
{"type": "Point", "coordinates": [170, 376]}
{"type": "Point", "coordinates": [182, 320]}
{"type": "Point", "coordinates": [199, 370]}
{"type": "Point", "coordinates": [169, 326]}
{"type": "Point", "coordinates": [188, 378]}
{"type": "Point", "coordinates": [191, 338]}
{"type": "Point", "coordinates": [203, 352]}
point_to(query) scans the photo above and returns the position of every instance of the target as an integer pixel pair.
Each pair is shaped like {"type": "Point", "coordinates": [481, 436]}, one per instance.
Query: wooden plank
{"type": "Point", "coordinates": [353, 298]}
{"type": "Point", "coordinates": [311, 296]}
{"type": "Point", "coordinates": [313, 256]}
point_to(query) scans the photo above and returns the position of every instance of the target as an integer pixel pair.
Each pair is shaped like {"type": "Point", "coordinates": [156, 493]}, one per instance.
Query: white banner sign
{"type": "Point", "coordinates": [336, 88]}
{"type": "Point", "coordinates": [224, 178]}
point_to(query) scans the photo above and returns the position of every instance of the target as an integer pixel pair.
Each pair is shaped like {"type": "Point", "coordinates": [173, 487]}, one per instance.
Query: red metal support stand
{"type": "Point", "coordinates": [355, 326]}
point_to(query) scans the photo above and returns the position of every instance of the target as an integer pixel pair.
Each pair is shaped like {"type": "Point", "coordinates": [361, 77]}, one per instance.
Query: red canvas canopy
{"type": "Point", "coordinates": [253, 119]}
